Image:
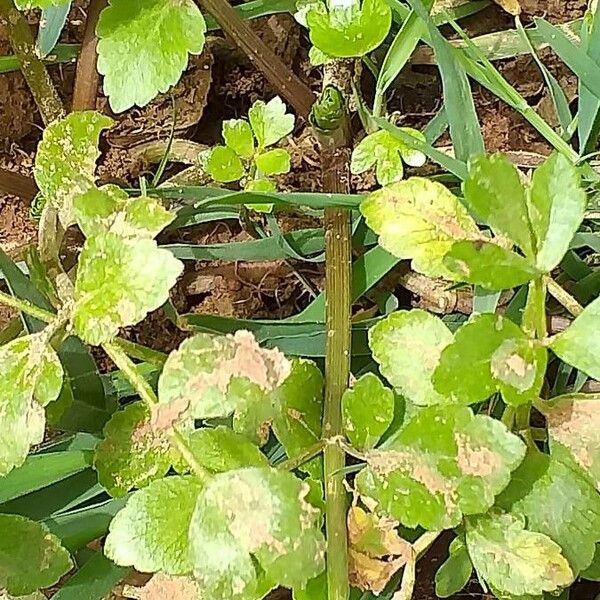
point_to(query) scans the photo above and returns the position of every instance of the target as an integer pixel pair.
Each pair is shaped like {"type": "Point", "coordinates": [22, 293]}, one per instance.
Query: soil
{"type": "Point", "coordinates": [223, 84]}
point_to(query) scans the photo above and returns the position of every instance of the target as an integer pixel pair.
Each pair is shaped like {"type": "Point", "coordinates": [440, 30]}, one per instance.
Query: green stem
{"type": "Point", "coordinates": [142, 353]}
{"type": "Point", "coordinates": [534, 315]}
{"type": "Point", "coordinates": [26, 307]}
{"type": "Point", "coordinates": [508, 417]}
{"type": "Point", "coordinates": [309, 453]}
{"type": "Point", "coordinates": [563, 297]}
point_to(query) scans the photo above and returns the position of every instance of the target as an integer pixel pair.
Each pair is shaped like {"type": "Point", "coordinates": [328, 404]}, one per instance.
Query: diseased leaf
{"type": "Point", "coordinates": [270, 121]}
{"type": "Point", "coordinates": [31, 377]}
{"type": "Point", "coordinates": [109, 209]}
{"type": "Point", "coordinates": [30, 556]}
{"type": "Point", "coordinates": [579, 344]}
{"type": "Point", "coordinates": [132, 453]}
{"type": "Point", "coordinates": [151, 532]}
{"type": "Point", "coordinates": [455, 572]}
{"type": "Point", "coordinates": [514, 560]}
{"type": "Point", "coordinates": [445, 463]}
{"type": "Point", "coordinates": [143, 47]}
{"type": "Point", "coordinates": [65, 162]}
{"type": "Point", "coordinates": [238, 136]}
{"type": "Point", "coordinates": [407, 345]}
{"type": "Point", "coordinates": [500, 357]}
{"type": "Point", "coordinates": [224, 165]}
{"type": "Point", "coordinates": [371, 574]}
{"type": "Point", "coordinates": [347, 29]}
{"type": "Point", "coordinates": [119, 281]}
{"type": "Point", "coordinates": [367, 411]}
{"type": "Point", "coordinates": [163, 586]}
{"type": "Point", "coordinates": [254, 512]}
{"type": "Point", "coordinates": [274, 162]}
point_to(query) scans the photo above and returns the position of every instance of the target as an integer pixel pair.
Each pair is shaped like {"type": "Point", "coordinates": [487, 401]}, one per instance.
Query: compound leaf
{"type": "Point", "coordinates": [30, 556]}
{"type": "Point", "coordinates": [151, 532]}
{"type": "Point", "coordinates": [270, 121]}
{"type": "Point", "coordinates": [119, 281]}
{"type": "Point", "coordinates": [132, 453]}
{"type": "Point", "coordinates": [65, 162]}
{"type": "Point", "coordinates": [238, 136]}
{"type": "Point", "coordinates": [274, 162]}
{"type": "Point", "coordinates": [407, 345]}
{"type": "Point", "coordinates": [224, 165]}
{"type": "Point", "coordinates": [500, 357]}
{"type": "Point", "coordinates": [514, 560]}
{"type": "Point", "coordinates": [367, 411]}
{"type": "Point", "coordinates": [445, 463]}
{"type": "Point", "coordinates": [143, 47]}
{"type": "Point", "coordinates": [256, 512]}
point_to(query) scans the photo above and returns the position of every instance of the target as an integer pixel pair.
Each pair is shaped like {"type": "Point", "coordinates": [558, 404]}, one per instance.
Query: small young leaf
{"type": "Point", "coordinates": [499, 356]}
{"type": "Point", "coordinates": [119, 281]}
{"type": "Point", "coordinates": [388, 153]}
{"type": "Point", "coordinates": [30, 556]}
{"type": "Point", "coordinates": [513, 560]}
{"type": "Point", "coordinates": [579, 344]}
{"type": "Point", "coordinates": [274, 162]}
{"type": "Point", "coordinates": [238, 136]}
{"type": "Point", "coordinates": [224, 165]}
{"type": "Point", "coordinates": [368, 411]}
{"type": "Point", "coordinates": [151, 532]}
{"type": "Point", "coordinates": [270, 122]}
{"type": "Point", "coordinates": [346, 29]}
{"type": "Point", "coordinates": [109, 209]}
{"type": "Point", "coordinates": [143, 47]}
{"type": "Point", "coordinates": [424, 336]}
{"type": "Point", "coordinates": [455, 572]}
{"type": "Point", "coordinates": [66, 160]}
{"type": "Point", "coordinates": [132, 453]}
{"type": "Point", "coordinates": [445, 463]}
{"type": "Point", "coordinates": [254, 512]}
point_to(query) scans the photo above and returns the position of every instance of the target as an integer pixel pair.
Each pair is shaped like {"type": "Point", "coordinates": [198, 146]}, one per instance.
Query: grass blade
{"type": "Point", "coordinates": [589, 105]}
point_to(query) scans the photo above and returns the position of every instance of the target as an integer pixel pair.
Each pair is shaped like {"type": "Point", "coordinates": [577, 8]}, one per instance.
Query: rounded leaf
{"type": "Point", "coordinates": [273, 162]}
{"type": "Point", "coordinates": [224, 165]}
{"type": "Point", "coordinates": [270, 121]}
{"type": "Point", "coordinates": [238, 136]}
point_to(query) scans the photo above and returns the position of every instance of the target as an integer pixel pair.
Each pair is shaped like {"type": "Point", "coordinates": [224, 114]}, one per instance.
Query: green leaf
{"type": "Point", "coordinates": [367, 411]}
{"type": "Point", "coordinates": [491, 354]}
{"type": "Point", "coordinates": [257, 512]}
{"type": "Point", "coordinates": [109, 209]}
{"type": "Point", "coordinates": [455, 572]}
{"type": "Point", "coordinates": [270, 121]}
{"type": "Point", "coordinates": [557, 206]}
{"type": "Point", "coordinates": [119, 281]}
{"type": "Point", "coordinates": [579, 344]}
{"type": "Point", "coordinates": [222, 449]}
{"type": "Point", "coordinates": [151, 532]}
{"type": "Point", "coordinates": [27, 4]}
{"type": "Point", "coordinates": [445, 463]}
{"type": "Point", "coordinates": [224, 165]}
{"type": "Point", "coordinates": [347, 29]}
{"type": "Point", "coordinates": [388, 153]}
{"type": "Point", "coordinates": [238, 136]}
{"type": "Point", "coordinates": [495, 192]}
{"type": "Point", "coordinates": [422, 336]}
{"type": "Point", "coordinates": [274, 162]}
{"type": "Point", "coordinates": [213, 376]}
{"type": "Point", "coordinates": [514, 560]}
{"type": "Point", "coordinates": [558, 502]}
{"type": "Point", "coordinates": [30, 556]}
{"type": "Point", "coordinates": [65, 162]}
{"type": "Point", "coordinates": [31, 377]}
{"type": "Point", "coordinates": [133, 453]}
{"type": "Point", "coordinates": [143, 47]}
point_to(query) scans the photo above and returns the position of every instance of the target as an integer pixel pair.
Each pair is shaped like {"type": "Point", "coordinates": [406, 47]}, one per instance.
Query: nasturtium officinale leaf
{"type": "Point", "coordinates": [27, 4]}
{"type": "Point", "coordinates": [65, 162]}
{"type": "Point", "coordinates": [132, 453]}
{"type": "Point", "coordinates": [143, 47]}
{"type": "Point", "coordinates": [367, 411]}
{"type": "Point", "coordinates": [260, 513]}
{"type": "Point", "coordinates": [455, 572]}
{"type": "Point", "coordinates": [347, 28]}
{"type": "Point", "coordinates": [224, 165]}
{"type": "Point", "coordinates": [119, 281]}
{"type": "Point", "coordinates": [407, 345]}
{"type": "Point", "coordinates": [559, 502]}
{"type": "Point", "coordinates": [273, 162]}
{"type": "Point", "coordinates": [446, 462]}
{"type": "Point", "coordinates": [579, 344]}
{"type": "Point", "coordinates": [31, 376]}
{"type": "Point", "coordinates": [490, 354]}
{"type": "Point", "coordinates": [198, 378]}
{"type": "Point", "coordinates": [34, 596]}
{"type": "Point", "coordinates": [30, 556]}
{"type": "Point", "coordinates": [109, 209]}
{"type": "Point", "coordinates": [388, 153]}
{"type": "Point", "coordinates": [512, 559]}
{"type": "Point", "coordinates": [238, 136]}
{"type": "Point", "coordinates": [151, 532]}
{"type": "Point", "coordinates": [592, 573]}
{"type": "Point", "coordinates": [168, 586]}
{"type": "Point", "coordinates": [270, 122]}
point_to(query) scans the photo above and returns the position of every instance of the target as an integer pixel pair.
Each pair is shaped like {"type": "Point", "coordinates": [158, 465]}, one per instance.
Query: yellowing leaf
{"type": "Point", "coordinates": [510, 6]}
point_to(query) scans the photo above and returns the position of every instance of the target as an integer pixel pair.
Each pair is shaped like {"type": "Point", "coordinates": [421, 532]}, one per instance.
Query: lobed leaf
{"type": "Point", "coordinates": [270, 122]}
{"type": "Point", "coordinates": [143, 47]}
{"type": "Point", "coordinates": [445, 463]}
{"type": "Point", "coordinates": [238, 136]}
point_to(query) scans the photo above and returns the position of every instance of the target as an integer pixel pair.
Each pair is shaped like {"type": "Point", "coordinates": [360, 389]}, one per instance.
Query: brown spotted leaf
{"type": "Point", "coordinates": [162, 587]}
